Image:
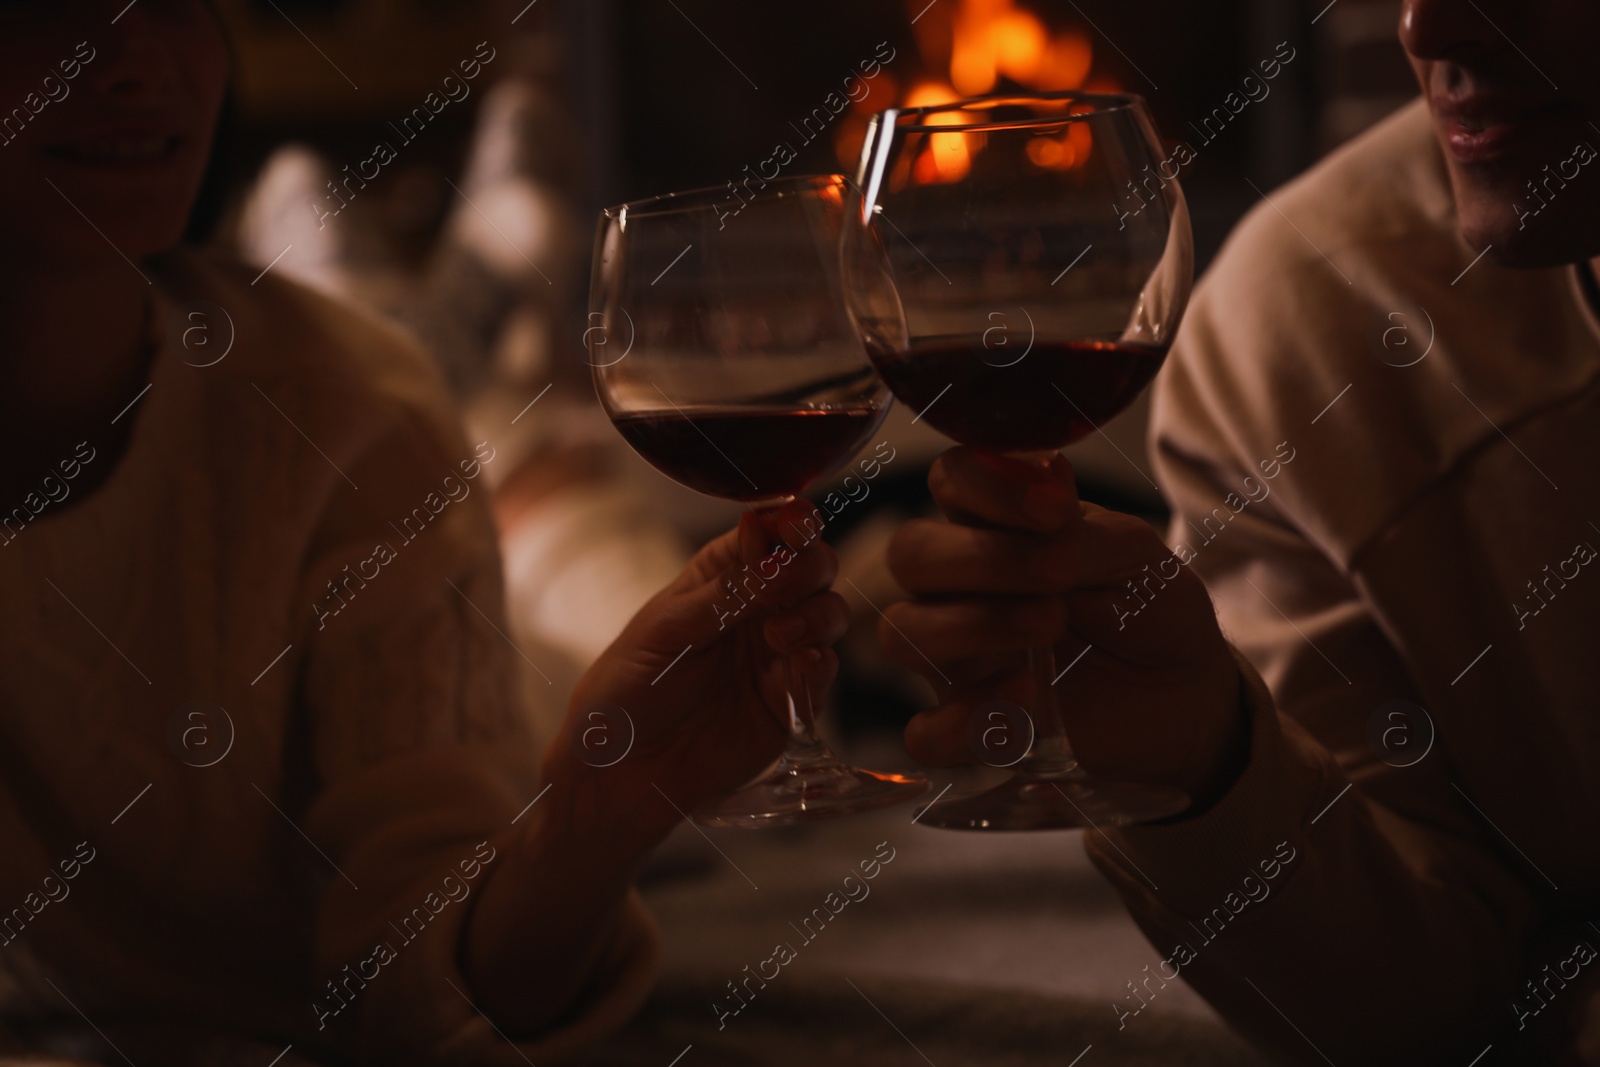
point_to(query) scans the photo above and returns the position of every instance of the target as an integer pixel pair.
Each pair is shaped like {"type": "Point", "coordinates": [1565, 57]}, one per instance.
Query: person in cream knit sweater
{"type": "Point", "coordinates": [1367, 649]}
{"type": "Point", "coordinates": [267, 764]}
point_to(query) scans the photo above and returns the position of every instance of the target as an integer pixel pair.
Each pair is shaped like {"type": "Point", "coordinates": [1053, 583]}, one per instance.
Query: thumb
{"type": "Point", "coordinates": [738, 576]}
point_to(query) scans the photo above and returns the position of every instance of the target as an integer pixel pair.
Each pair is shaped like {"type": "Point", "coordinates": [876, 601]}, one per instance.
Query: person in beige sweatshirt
{"type": "Point", "coordinates": [267, 760]}
{"type": "Point", "coordinates": [1379, 431]}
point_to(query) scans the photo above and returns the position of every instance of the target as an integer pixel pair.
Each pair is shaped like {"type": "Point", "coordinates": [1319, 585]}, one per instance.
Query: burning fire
{"type": "Point", "coordinates": [967, 48]}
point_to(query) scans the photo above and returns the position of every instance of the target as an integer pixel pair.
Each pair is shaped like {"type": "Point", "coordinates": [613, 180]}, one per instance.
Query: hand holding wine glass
{"type": "Point", "coordinates": [1156, 701]}
{"type": "Point", "coordinates": [728, 359]}
{"type": "Point", "coordinates": [687, 705]}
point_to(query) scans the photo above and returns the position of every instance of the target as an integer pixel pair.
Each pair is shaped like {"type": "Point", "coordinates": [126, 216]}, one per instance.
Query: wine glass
{"type": "Point", "coordinates": [1040, 248]}
{"type": "Point", "coordinates": [724, 354]}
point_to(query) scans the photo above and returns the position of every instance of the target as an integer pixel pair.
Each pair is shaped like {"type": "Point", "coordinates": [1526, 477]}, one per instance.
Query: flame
{"type": "Point", "coordinates": [930, 94]}
{"type": "Point", "coordinates": [1021, 44]}
{"type": "Point", "coordinates": [948, 157]}
{"type": "Point", "coordinates": [1067, 63]}
{"type": "Point", "coordinates": [978, 44]}
{"type": "Point", "coordinates": [990, 39]}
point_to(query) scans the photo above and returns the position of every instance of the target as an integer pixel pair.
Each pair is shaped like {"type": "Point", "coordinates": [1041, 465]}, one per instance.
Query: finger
{"type": "Point", "coordinates": [978, 670]}
{"type": "Point", "coordinates": [942, 737]}
{"type": "Point", "coordinates": [918, 635]}
{"type": "Point", "coordinates": [774, 571]}
{"type": "Point", "coordinates": [938, 738]}
{"type": "Point", "coordinates": [795, 525]}
{"type": "Point", "coordinates": [986, 488]}
{"type": "Point", "coordinates": [817, 668]}
{"type": "Point", "coordinates": [813, 668]}
{"type": "Point", "coordinates": [821, 619]}
{"type": "Point", "coordinates": [932, 558]}
{"type": "Point", "coordinates": [738, 578]}
{"type": "Point", "coordinates": [771, 555]}
{"type": "Point", "coordinates": [1155, 620]}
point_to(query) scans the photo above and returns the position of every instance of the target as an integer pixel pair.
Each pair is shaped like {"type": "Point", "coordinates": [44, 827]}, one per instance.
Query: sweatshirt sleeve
{"type": "Point", "coordinates": [417, 707]}
{"type": "Point", "coordinates": [1340, 902]}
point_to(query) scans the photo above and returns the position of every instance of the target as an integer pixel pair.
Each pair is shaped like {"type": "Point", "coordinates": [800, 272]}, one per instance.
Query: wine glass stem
{"type": "Point", "coordinates": [803, 740]}
{"type": "Point", "coordinates": [1049, 730]}
{"type": "Point", "coordinates": [802, 715]}
{"type": "Point", "coordinates": [1050, 751]}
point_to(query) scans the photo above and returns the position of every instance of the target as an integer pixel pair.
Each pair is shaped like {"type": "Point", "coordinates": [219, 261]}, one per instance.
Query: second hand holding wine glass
{"type": "Point", "coordinates": [742, 376]}
{"type": "Point", "coordinates": [1043, 260]}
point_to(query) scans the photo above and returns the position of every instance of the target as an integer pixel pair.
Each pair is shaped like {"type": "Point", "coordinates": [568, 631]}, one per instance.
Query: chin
{"type": "Point", "coordinates": [136, 236]}
{"type": "Point", "coordinates": [140, 206]}
{"type": "Point", "coordinates": [154, 240]}
{"type": "Point", "coordinates": [1567, 231]}
{"type": "Point", "coordinates": [154, 233]}
{"type": "Point", "coordinates": [133, 222]}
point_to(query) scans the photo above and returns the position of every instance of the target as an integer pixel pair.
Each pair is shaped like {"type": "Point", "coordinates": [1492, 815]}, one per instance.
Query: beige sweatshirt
{"type": "Point", "coordinates": [261, 734]}
{"type": "Point", "coordinates": [1383, 461]}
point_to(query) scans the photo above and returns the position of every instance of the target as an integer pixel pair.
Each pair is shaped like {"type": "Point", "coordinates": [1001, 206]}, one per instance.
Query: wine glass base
{"type": "Point", "coordinates": [810, 786]}
{"type": "Point", "coordinates": [1071, 801]}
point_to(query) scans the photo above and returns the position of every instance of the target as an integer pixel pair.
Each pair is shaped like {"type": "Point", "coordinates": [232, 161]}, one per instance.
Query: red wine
{"type": "Point", "coordinates": [1056, 394]}
{"type": "Point", "coordinates": [749, 455]}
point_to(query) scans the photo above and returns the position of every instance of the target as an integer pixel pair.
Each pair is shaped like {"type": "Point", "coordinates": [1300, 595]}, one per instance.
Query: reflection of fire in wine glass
{"type": "Point", "coordinates": [747, 380]}
{"type": "Point", "coordinates": [1037, 305]}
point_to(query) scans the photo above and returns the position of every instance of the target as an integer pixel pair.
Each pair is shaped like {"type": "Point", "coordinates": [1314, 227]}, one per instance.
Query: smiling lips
{"type": "Point", "coordinates": [1480, 128]}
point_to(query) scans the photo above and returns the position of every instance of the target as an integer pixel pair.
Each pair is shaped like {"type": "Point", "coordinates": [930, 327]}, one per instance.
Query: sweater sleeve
{"type": "Point", "coordinates": [1340, 903]}
{"type": "Point", "coordinates": [417, 707]}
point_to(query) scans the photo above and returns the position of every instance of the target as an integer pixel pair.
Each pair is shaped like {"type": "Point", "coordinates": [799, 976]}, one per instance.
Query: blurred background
{"type": "Point", "coordinates": [464, 208]}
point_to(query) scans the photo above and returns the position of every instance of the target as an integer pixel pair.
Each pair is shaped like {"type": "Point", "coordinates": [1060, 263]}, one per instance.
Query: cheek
{"type": "Point", "coordinates": [31, 50]}
{"type": "Point", "coordinates": [205, 64]}
{"type": "Point", "coordinates": [1421, 69]}
{"type": "Point", "coordinates": [19, 61]}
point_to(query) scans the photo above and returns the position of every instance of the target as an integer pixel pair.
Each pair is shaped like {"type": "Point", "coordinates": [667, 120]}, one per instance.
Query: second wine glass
{"type": "Point", "coordinates": [725, 355]}
{"type": "Point", "coordinates": [1041, 251]}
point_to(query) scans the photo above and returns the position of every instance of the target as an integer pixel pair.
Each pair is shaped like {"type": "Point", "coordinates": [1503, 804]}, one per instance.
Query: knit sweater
{"type": "Point", "coordinates": [1381, 454]}
{"type": "Point", "coordinates": [262, 732]}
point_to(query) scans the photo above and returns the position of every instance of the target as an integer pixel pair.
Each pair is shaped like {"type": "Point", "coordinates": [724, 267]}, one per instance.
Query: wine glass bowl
{"type": "Point", "coordinates": [740, 339]}
{"type": "Point", "coordinates": [1041, 253]}
{"type": "Point", "coordinates": [725, 355]}
{"type": "Point", "coordinates": [1046, 285]}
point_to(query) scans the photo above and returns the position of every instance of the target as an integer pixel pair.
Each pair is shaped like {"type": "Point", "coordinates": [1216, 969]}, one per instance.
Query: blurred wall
{"type": "Point", "coordinates": [300, 57]}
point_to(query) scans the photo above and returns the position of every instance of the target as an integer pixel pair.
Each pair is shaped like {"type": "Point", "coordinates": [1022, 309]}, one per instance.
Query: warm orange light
{"type": "Point", "coordinates": [952, 160]}
{"type": "Point", "coordinates": [946, 157]}
{"type": "Point", "coordinates": [1066, 63]}
{"type": "Point", "coordinates": [1063, 151]}
{"type": "Point", "coordinates": [951, 153]}
{"type": "Point", "coordinates": [981, 42]}
{"type": "Point", "coordinates": [881, 93]}
{"type": "Point", "coordinates": [1020, 43]}
{"type": "Point", "coordinates": [930, 94]}
{"type": "Point", "coordinates": [1049, 153]}
{"type": "Point", "coordinates": [1081, 140]}
{"type": "Point", "coordinates": [973, 67]}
